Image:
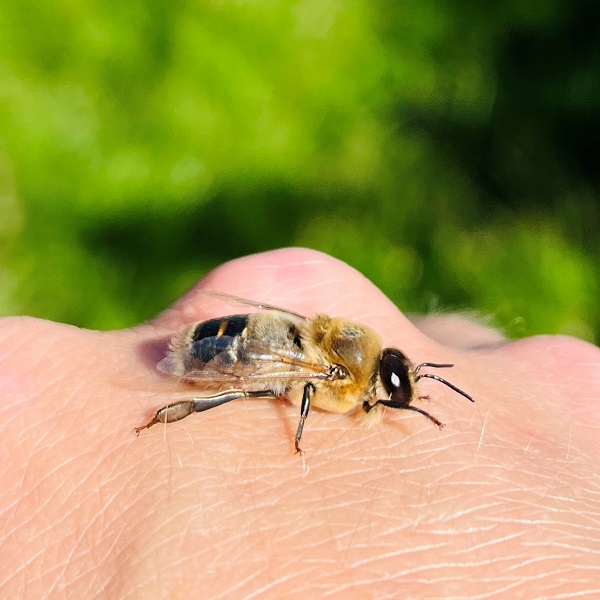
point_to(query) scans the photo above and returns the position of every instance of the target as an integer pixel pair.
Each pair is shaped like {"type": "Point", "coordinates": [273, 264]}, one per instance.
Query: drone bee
{"type": "Point", "coordinates": [328, 362]}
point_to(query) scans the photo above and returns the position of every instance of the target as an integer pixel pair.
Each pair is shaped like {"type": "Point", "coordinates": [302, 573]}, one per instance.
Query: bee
{"type": "Point", "coordinates": [330, 363]}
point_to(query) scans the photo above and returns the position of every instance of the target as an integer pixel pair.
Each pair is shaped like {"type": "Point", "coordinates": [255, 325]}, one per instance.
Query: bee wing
{"type": "Point", "coordinates": [255, 362]}
{"type": "Point", "coordinates": [230, 298]}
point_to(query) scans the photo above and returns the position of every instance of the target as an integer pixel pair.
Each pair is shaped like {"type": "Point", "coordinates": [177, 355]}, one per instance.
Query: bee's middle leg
{"type": "Point", "coordinates": [304, 408]}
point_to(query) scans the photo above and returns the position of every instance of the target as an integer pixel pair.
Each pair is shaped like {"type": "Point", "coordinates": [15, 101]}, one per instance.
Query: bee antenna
{"type": "Point", "coordinates": [434, 365]}
{"type": "Point", "coordinates": [437, 378]}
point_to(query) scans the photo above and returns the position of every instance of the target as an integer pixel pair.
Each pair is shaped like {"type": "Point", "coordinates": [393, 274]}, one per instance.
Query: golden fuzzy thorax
{"type": "Point", "coordinates": [354, 347]}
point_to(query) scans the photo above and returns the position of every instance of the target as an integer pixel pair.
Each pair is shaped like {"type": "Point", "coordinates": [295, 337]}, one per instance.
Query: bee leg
{"type": "Point", "coordinates": [430, 417]}
{"type": "Point", "coordinates": [304, 408]}
{"type": "Point", "coordinates": [168, 414]}
{"type": "Point", "coordinates": [404, 405]}
{"type": "Point", "coordinates": [179, 410]}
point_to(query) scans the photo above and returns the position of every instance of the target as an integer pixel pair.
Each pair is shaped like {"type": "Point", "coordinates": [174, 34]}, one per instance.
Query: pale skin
{"type": "Point", "coordinates": [503, 502]}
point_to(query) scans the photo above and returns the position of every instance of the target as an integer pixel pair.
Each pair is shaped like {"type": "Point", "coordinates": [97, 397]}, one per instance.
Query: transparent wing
{"type": "Point", "coordinates": [255, 361]}
{"type": "Point", "coordinates": [231, 299]}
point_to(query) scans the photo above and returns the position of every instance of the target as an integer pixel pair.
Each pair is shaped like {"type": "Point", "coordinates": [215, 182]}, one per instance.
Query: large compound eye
{"type": "Point", "coordinates": [393, 370]}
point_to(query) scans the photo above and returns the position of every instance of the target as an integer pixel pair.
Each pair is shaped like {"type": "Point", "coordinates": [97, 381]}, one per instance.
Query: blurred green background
{"type": "Point", "coordinates": [447, 150]}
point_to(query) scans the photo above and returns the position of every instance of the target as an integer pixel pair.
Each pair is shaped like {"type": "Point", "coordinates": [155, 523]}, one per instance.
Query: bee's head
{"type": "Point", "coordinates": [399, 376]}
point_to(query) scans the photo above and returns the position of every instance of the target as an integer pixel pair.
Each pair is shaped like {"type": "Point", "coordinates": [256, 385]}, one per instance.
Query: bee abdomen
{"type": "Point", "coordinates": [207, 349]}
{"type": "Point", "coordinates": [217, 337]}
{"type": "Point", "coordinates": [225, 326]}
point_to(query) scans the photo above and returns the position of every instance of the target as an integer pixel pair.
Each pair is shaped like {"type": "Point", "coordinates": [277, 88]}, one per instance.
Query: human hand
{"type": "Point", "coordinates": [504, 499]}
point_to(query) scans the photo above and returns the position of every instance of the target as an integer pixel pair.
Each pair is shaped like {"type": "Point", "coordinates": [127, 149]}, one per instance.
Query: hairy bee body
{"type": "Point", "coordinates": [278, 348]}
{"type": "Point", "coordinates": [331, 363]}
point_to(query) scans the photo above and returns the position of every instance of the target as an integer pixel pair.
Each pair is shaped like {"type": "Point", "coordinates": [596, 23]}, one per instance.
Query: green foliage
{"type": "Point", "coordinates": [448, 152]}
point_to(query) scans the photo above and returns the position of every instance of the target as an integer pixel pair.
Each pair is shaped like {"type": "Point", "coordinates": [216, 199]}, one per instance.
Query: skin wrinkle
{"type": "Point", "coordinates": [102, 517]}
{"type": "Point", "coordinates": [411, 587]}
{"type": "Point", "coordinates": [55, 575]}
{"type": "Point", "coordinates": [12, 410]}
{"type": "Point", "coordinates": [366, 583]}
{"type": "Point", "coordinates": [592, 592]}
{"type": "Point", "coordinates": [73, 555]}
{"type": "Point", "coordinates": [104, 560]}
{"type": "Point", "coordinates": [70, 555]}
{"type": "Point", "coordinates": [362, 527]}
{"type": "Point", "coordinates": [20, 570]}
{"type": "Point", "coordinates": [241, 584]}
{"type": "Point", "coordinates": [454, 568]}
{"type": "Point", "coordinates": [34, 516]}
{"type": "Point", "coordinates": [51, 475]}
{"type": "Point", "coordinates": [583, 537]}
{"type": "Point", "coordinates": [334, 533]}
{"type": "Point", "coordinates": [540, 560]}
{"type": "Point", "coordinates": [248, 561]}
{"type": "Point", "coordinates": [511, 521]}
{"type": "Point", "coordinates": [163, 540]}
{"type": "Point", "coordinates": [514, 584]}
{"type": "Point", "coordinates": [256, 572]}
{"type": "Point", "coordinates": [41, 447]}
{"type": "Point", "coordinates": [82, 538]}
{"type": "Point", "coordinates": [19, 410]}
{"type": "Point", "coordinates": [279, 581]}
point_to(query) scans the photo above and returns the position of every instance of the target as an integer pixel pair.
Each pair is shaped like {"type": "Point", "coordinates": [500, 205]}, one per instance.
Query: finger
{"type": "Point", "coordinates": [298, 279]}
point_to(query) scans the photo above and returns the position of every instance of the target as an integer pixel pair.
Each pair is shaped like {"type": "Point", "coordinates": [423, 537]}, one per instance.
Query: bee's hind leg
{"type": "Point", "coordinates": [179, 410]}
